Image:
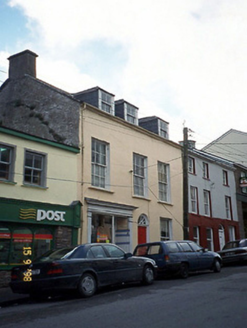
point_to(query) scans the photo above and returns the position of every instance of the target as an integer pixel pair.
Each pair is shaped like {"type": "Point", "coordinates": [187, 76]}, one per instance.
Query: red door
{"type": "Point", "coordinates": [142, 235]}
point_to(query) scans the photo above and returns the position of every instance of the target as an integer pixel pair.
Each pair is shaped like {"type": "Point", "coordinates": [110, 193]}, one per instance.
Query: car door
{"type": "Point", "coordinates": [190, 255]}
{"type": "Point", "coordinates": [102, 264]}
{"type": "Point", "coordinates": [205, 258]}
{"type": "Point", "coordinates": [126, 268]}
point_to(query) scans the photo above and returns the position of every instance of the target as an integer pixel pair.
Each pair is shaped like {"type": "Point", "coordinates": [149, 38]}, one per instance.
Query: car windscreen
{"type": "Point", "coordinates": [232, 244]}
{"type": "Point", "coordinates": [243, 243]}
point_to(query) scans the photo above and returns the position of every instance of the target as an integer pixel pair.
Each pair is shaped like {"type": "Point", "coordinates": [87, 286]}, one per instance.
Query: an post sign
{"type": "Point", "coordinates": [41, 215]}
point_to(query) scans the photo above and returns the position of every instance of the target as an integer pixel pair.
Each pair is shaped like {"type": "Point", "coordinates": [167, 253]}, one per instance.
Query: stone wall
{"type": "Point", "coordinates": [63, 237]}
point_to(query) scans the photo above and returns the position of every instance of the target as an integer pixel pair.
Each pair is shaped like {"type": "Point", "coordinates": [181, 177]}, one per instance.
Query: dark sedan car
{"type": "Point", "coordinates": [179, 257]}
{"type": "Point", "coordinates": [234, 252]}
{"type": "Point", "coordinates": [84, 268]}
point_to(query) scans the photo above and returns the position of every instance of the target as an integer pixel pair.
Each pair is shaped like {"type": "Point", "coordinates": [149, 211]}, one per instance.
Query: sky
{"type": "Point", "coordinates": [184, 61]}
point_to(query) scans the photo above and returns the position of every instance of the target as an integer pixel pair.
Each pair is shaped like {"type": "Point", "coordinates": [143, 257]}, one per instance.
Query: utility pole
{"type": "Point", "coordinates": [185, 185]}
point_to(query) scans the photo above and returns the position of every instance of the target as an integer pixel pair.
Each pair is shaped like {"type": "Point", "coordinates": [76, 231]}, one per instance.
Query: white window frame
{"type": "Point", "coordinates": [35, 172]}
{"type": "Point", "coordinates": [228, 207]}
{"type": "Point", "coordinates": [243, 175]}
{"type": "Point", "coordinates": [225, 177]}
{"type": "Point", "coordinates": [130, 113]}
{"type": "Point", "coordinates": [194, 199]}
{"type": "Point", "coordinates": [163, 129]}
{"type": "Point", "coordinates": [166, 228]}
{"type": "Point", "coordinates": [206, 202]}
{"type": "Point", "coordinates": [164, 182]}
{"type": "Point", "coordinates": [232, 235]}
{"type": "Point", "coordinates": [196, 235]}
{"type": "Point", "coordinates": [205, 170]}
{"type": "Point", "coordinates": [7, 163]}
{"type": "Point", "coordinates": [210, 241]}
{"type": "Point", "coordinates": [106, 102]}
{"type": "Point", "coordinates": [100, 166]}
{"type": "Point", "coordinates": [140, 175]}
{"type": "Point", "coordinates": [191, 165]}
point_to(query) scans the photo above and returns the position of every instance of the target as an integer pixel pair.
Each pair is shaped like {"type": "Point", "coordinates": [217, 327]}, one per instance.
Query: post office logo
{"type": "Point", "coordinates": [41, 215]}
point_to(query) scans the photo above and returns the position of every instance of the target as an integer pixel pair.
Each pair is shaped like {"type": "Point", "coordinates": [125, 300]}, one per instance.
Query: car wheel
{"type": "Point", "coordinates": [87, 285]}
{"type": "Point", "coordinates": [148, 275]}
{"type": "Point", "coordinates": [184, 270]}
{"type": "Point", "coordinates": [216, 266]}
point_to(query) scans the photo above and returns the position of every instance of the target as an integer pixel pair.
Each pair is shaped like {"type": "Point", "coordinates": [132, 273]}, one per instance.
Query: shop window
{"type": "Point", "coordinates": [22, 240]}
{"type": "Point", "coordinates": [5, 238]}
{"type": "Point", "coordinates": [42, 242]}
{"type": "Point", "coordinates": [101, 229]}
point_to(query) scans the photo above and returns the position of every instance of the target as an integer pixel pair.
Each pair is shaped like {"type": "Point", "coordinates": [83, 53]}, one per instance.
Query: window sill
{"type": "Point", "coordinates": [101, 189]}
{"type": "Point", "coordinates": [142, 197]}
{"type": "Point", "coordinates": [33, 186]}
{"type": "Point", "coordinates": [165, 203]}
{"type": "Point", "coordinates": [8, 182]}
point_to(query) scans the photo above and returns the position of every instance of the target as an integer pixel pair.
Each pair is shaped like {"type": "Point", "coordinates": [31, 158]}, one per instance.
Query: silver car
{"type": "Point", "coordinates": [234, 252]}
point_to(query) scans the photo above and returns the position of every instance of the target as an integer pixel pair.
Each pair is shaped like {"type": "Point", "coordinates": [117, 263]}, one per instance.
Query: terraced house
{"type": "Point", "coordinates": [213, 216]}
{"type": "Point", "coordinates": [124, 178]}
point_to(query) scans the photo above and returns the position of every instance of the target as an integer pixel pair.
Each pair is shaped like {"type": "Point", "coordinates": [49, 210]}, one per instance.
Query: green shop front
{"type": "Point", "coordinates": [29, 229]}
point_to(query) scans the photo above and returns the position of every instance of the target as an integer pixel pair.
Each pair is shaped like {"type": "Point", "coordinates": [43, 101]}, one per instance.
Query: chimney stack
{"type": "Point", "coordinates": [22, 63]}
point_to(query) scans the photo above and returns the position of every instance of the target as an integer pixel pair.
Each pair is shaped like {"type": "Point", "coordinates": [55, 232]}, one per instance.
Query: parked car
{"type": "Point", "coordinates": [84, 268]}
{"type": "Point", "coordinates": [234, 252]}
{"type": "Point", "coordinates": [179, 257]}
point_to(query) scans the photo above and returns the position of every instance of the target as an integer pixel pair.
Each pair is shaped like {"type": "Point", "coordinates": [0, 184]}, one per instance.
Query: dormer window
{"type": "Point", "coordinates": [163, 129]}
{"type": "Point", "coordinates": [130, 113]}
{"type": "Point", "coordinates": [106, 102]}
{"type": "Point", "coordinates": [99, 98]}
{"type": "Point", "coordinates": [126, 111]}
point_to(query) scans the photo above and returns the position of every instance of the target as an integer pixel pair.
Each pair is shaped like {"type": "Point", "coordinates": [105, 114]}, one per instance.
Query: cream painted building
{"type": "Point", "coordinates": [39, 188]}
{"type": "Point", "coordinates": [132, 182]}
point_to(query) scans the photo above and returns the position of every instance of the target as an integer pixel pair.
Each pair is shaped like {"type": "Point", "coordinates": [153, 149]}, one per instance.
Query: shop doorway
{"type": "Point", "coordinates": [142, 229]}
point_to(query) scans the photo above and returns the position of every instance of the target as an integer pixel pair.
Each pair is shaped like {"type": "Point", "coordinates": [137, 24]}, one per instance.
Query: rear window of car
{"type": "Point", "coordinates": [141, 250]}
{"type": "Point", "coordinates": [154, 249]}
{"type": "Point", "coordinates": [54, 255]}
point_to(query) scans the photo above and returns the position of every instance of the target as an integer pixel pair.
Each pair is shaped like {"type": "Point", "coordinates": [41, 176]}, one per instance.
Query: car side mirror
{"type": "Point", "coordinates": [127, 255]}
